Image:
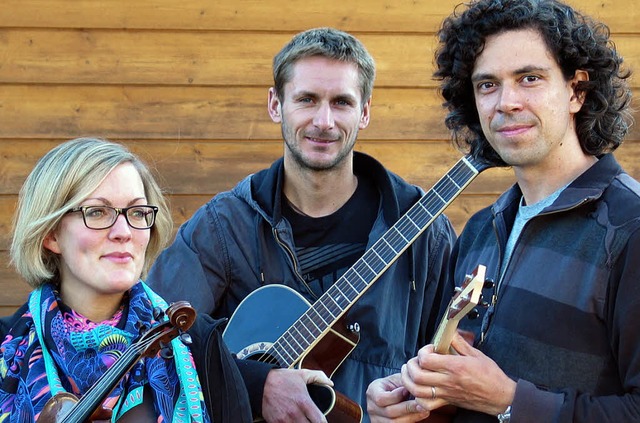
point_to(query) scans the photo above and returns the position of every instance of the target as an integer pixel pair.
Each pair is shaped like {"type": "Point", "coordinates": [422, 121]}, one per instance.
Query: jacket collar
{"type": "Point", "coordinates": [587, 187]}
{"type": "Point", "coordinates": [266, 187]}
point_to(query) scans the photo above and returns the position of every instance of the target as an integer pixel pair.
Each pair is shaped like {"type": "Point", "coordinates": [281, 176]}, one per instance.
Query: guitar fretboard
{"type": "Point", "coordinates": [317, 320]}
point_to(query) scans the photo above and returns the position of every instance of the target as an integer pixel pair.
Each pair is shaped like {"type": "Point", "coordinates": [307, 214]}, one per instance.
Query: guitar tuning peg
{"type": "Point", "coordinates": [158, 313]}
{"type": "Point", "coordinates": [488, 283]}
{"type": "Point", "coordinates": [473, 314]}
{"type": "Point", "coordinates": [186, 338]}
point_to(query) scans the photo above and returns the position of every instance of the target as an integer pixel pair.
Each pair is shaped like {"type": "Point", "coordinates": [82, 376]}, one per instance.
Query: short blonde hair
{"type": "Point", "coordinates": [61, 180]}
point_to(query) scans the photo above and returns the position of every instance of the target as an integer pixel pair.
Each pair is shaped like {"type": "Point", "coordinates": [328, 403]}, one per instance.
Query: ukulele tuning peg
{"type": "Point", "coordinates": [186, 338]}
{"type": "Point", "coordinates": [473, 314]}
{"type": "Point", "coordinates": [488, 283]}
{"type": "Point", "coordinates": [158, 313]}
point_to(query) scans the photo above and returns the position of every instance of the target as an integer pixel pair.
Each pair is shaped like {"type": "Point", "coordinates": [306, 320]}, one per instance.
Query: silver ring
{"type": "Point", "coordinates": [433, 392]}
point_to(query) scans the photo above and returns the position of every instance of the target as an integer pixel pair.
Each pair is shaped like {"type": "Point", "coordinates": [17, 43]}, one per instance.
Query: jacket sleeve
{"type": "Point", "coordinates": [440, 250]}
{"type": "Point", "coordinates": [533, 404]}
{"type": "Point", "coordinates": [232, 388]}
{"type": "Point", "coordinates": [192, 268]}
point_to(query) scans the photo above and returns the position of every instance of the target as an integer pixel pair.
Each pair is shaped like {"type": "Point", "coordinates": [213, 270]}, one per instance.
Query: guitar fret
{"type": "Point", "coordinates": [453, 181]}
{"type": "Point", "coordinates": [321, 318]}
{"type": "Point", "coordinates": [344, 295]}
{"type": "Point", "coordinates": [300, 340]}
{"type": "Point", "coordinates": [290, 348]}
{"type": "Point", "coordinates": [390, 246]}
{"type": "Point", "coordinates": [286, 357]}
{"type": "Point", "coordinates": [313, 328]}
{"type": "Point", "coordinates": [300, 328]}
{"type": "Point", "coordinates": [426, 210]}
{"type": "Point", "coordinates": [358, 282]}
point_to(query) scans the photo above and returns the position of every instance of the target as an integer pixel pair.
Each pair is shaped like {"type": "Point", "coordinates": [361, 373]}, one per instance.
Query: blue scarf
{"type": "Point", "coordinates": [49, 350]}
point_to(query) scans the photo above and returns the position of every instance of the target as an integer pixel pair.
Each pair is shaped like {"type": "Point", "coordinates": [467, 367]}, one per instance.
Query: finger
{"type": "Point", "coordinates": [391, 382]}
{"type": "Point", "coordinates": [430, 404]}
{"type": "Point", "coordinates": [312, 412]}
{"type": "Point", "coordinates": [405, 411]}
{"type": "Point", "coordinates": [462, 347]}
{"type": "Point", "coordinates": [385, 398]}
{"type": "Point", "coordinates": [427, 349]}
{"type": "Point", "coordinates": [316, 376]}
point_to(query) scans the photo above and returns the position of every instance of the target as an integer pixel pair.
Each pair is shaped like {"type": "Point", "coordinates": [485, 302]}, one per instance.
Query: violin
{"type": "Point", "coordinates": [65, 407]}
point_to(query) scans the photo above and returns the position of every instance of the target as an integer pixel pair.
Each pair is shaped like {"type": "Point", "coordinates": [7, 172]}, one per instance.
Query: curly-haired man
{"type": "Point", "coordinates": [537, 86]}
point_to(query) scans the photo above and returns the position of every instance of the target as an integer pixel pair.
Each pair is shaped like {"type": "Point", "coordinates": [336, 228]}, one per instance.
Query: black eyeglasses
{"type": "Point", "coordinates": [103, 217]}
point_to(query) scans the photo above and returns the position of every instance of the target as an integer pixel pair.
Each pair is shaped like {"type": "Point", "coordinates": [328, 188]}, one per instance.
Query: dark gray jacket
{"type": "Point", "coordinates": [565, 324]}
{"type": "Point", "coordinates": [239, 241]}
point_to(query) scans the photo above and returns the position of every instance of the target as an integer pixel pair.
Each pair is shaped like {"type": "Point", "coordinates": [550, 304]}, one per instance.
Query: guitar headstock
{"type": "Point", "coordinates": [468, 295]}
{"type": "Point", "coordinates": [465, 299]}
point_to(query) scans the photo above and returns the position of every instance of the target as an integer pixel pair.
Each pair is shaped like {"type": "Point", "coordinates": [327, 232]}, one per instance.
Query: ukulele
{"type": "Point", "coordinates": [464, 300]}
{"type": "Point", "coordinates": [64, 407]}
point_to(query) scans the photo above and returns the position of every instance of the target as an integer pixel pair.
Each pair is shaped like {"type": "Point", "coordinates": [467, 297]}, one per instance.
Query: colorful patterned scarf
{"type": "Point", "coordinates": [76, 352]}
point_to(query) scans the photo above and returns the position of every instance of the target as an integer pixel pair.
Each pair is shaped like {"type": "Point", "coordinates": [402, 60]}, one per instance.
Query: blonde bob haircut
{"type": "Point", "coordinates": [62, 179]}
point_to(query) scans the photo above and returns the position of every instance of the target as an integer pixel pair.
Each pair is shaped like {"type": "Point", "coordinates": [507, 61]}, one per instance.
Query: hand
{"type": "Point", "coordinates": [388, 401]}
{"type": "Point", "coordinates": [286, 399]}
{"type": "Point", "coordinates": [469, 380]}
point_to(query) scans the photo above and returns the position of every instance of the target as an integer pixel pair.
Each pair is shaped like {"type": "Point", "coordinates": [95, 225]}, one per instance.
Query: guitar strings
{"type": "Point", "coordinates": [442, 193]}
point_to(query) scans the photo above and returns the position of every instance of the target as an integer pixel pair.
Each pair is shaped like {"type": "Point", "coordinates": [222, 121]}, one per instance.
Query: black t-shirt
{"type": "Point", "coordinates": [328, 246]}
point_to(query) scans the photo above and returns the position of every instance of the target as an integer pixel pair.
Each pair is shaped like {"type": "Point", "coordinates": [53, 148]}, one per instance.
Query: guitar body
{"type": "Point", "coordinates": [268, 312]}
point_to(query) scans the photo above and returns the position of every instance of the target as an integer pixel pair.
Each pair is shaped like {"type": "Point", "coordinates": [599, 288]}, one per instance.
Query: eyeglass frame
{"type": "Point", "coordinates": [119, 211]}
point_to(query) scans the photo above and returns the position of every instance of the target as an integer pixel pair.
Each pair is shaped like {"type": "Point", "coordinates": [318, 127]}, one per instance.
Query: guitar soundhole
{"type": "Point", "coordinates": [256, 352]}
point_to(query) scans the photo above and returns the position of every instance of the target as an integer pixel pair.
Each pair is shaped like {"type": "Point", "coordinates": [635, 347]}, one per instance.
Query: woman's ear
{"type": "Point", "coordinates": [51, 243]}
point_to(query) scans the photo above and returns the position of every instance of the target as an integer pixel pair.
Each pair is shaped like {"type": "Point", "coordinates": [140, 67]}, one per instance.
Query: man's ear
{"type": "Point", "coordinates": [50, 242]}
{"type": "Point", "coordinates": [274, 106]}
{"type": "Point", "coordinates": [577, 98]}
{"type": "Point", "coordinates": [366, 114]}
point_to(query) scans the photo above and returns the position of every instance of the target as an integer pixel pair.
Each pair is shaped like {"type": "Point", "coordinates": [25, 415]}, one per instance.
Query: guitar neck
{"type": "Point", "coordinates": [332, 305]}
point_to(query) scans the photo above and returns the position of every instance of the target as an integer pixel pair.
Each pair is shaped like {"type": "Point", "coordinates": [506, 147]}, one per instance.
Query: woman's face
{"type": "Point", "coordinates": [98, 266]}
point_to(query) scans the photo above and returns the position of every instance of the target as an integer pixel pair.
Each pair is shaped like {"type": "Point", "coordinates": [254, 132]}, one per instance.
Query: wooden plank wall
{"type": "Point", "coordinates": [184, 84]}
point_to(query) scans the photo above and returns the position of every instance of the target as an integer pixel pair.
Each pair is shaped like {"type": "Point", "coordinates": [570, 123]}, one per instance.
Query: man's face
{"type": "Point", "coordinates": [525, 105]}
{"type": "Point", "coordinates": [321, 112]}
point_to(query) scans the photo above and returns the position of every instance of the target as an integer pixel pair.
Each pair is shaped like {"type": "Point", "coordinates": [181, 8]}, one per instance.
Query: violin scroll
{"type": "Point", "coordinates": [181, 315]}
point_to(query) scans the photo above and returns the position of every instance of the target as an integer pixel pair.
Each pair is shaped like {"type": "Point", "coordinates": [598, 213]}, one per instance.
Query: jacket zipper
{"type": "Point", "coordinates": [293, 259]}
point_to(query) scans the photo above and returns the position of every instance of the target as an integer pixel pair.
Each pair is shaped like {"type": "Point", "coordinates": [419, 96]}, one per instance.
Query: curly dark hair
{"type": "Point", "coordinates": [575, 41]}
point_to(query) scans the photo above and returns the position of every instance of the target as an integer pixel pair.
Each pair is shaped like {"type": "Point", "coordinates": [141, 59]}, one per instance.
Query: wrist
{"type": "Point", "coordinates": [505, 416]}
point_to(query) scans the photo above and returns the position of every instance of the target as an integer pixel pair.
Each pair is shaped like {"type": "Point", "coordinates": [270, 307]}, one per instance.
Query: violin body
{"type": "Point", "coordinates": [60, 405]}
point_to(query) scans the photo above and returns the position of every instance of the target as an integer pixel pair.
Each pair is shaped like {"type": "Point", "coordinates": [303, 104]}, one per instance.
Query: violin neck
{"type": "Point", "coordinates": [94, 397]}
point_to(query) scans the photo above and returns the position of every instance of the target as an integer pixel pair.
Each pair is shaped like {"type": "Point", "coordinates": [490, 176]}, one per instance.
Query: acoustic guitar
{"type": "Point", "coordinates": [298, 334]}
